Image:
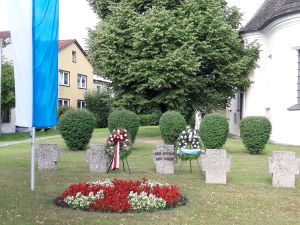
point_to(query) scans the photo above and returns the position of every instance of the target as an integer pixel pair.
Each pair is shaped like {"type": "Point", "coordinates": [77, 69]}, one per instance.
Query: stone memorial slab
{"type": "Point", "coordinates": [98, 158]}
{"type": "Point", "coordinates": [283, 166]}
{"type": "Point", "coordinates": [216, 163]}
{"type": "Point", "coordinates": [48, 156]}
{"type": "Point", "coordinates": [164, 157]}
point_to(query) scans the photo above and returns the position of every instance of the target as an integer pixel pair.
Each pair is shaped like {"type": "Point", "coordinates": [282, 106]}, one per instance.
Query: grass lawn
{"type": "Point", "coordinates": [25, 135]}
{"type": "Point", "coordinates": [248, 198]}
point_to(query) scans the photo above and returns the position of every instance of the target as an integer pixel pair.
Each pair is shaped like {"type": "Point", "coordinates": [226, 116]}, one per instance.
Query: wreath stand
{"type": "Point", "coordinates": [109, 168]}
{"type": "Point", "coordinates": [191, 165]}
{"type": "Point", "coordinates": [183, 153]}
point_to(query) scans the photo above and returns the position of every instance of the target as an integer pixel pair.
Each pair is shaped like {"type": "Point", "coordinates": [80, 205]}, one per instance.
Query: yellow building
{"type": "Point", "coordinates": [75, 75]}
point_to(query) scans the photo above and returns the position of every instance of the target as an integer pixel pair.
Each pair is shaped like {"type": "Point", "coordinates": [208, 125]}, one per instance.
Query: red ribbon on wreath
{"type": "Point", "coordinates": [119, 138]}
{"type": "Point", "coordinates": [116, 159]}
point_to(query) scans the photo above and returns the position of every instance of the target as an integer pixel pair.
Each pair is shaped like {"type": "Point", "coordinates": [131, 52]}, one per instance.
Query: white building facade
{"type": "Point", "coordinates": [7, 123]}
{"type": "Point", "coordinates": [275, 83]}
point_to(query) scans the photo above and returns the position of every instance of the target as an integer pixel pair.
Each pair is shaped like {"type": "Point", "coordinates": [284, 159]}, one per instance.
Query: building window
{"type": "Point", "coordinates": [64, 78]}
{"type": "Point", "coordinates": [80, 104]}
{"type": "Point", "coordinates": [62, 102]}
{"type": "Point", "coordinates": [5, 115]}
{"type": "Point", "coordinates": [297, 106]}
{"type": "Point", "coordinates": [74, 56]}
{"type": "Point", "coordinates": [81, 81]}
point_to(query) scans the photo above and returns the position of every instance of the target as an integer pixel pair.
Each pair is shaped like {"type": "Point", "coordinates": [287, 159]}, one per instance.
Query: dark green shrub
{"type": "Point", "coordinates": [255, 132]}
{"type": "Point", "coordinates": [62, 110]}
{"type": "Point", "coordinates": [151, 119]}
{"type": "Point", "coordinates": [124, 119]}
{"type": "Point", "coordinates": [100, 104]}
{"type": "Point", "coordinates": [214, 129]}
{"type": "Point", "coordinates": [171, 124]}
{"type": "Point", "coordinates": [191, 121]}
{"type": "Point", "coordinates": [76, 127]}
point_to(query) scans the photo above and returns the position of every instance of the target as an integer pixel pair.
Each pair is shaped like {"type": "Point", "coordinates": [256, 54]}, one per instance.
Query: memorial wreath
{"type": "Point", "coordinates": [118, 146]}
{"type": "Point", "coordinates": [188, 144]}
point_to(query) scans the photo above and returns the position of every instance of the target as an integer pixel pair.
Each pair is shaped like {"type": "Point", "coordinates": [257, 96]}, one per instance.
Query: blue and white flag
{"type": "Point", "coordinates": [34, 33]}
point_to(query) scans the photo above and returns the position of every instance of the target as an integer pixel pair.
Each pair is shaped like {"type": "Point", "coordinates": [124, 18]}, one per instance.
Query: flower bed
{"type": "Point", "coordinates": [121, 196]}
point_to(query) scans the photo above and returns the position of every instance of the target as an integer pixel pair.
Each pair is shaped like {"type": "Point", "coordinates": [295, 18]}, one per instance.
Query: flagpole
{"type": "Point", "coordinates": [32, 159]}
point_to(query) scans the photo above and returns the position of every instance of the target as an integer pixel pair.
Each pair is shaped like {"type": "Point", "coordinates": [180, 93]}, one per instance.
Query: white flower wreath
{"type": "Point", "coordinates": [188, 139]}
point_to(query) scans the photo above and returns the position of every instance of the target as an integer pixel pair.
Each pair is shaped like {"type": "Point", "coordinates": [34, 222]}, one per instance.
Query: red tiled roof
{"type": "Point", "coordinates": [64, 43]}
{"type": "Point", "coordinates": [4, 34]}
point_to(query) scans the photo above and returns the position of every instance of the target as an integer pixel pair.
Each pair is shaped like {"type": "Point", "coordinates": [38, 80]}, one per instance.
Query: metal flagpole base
{"type": "Point", "coordinates": [32, 185]}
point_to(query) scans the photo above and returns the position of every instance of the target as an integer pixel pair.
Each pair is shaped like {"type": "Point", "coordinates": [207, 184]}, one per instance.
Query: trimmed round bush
{"type": "Point", "coordinates": [171, 124]}
{"type": "Point", "coordinates": [62, 110]}
{"type": "Point", "coordinates": [76, 127]}
{"type": "Point", "coordinates": [255, 132]}
{"type": "Point", "coordinates": [124, 119]}
{"type": "Point", "coordinates": [214, 129]}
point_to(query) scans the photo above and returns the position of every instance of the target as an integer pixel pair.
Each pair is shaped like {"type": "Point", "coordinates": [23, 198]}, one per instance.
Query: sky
{"type": "Point", "coordinates": [76, 16]}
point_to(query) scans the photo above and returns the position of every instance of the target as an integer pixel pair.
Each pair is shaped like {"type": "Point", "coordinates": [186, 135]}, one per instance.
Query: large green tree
{"type": "Point", "coordinates": [171, 54]}
{"type": "Point", "coordinates": [8, 86]}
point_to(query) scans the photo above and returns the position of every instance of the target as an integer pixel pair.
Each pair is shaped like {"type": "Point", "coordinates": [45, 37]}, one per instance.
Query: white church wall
{"type": "Point", "coordinates": [274, 87]}
{"type": "Point", "coordinates": [283, 42]}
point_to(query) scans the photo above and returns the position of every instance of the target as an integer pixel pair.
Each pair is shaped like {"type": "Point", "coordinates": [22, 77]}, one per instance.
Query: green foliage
{"type": "Point", "coordinates": [100, 104]}
{"type": "Point", "coordinates": [62, 110]}
{"type": "Point", "coordinates": [170, 54]}
{"type": "Point", "coordinates": [7, 86]}
{"type": "Point", "coordinates": [171, 124]}
{"type": "Point", "coordinates": [192, 121]}
{"type": "Point", "coordinates": [214, 129]}
{"type": "Point", "coordinates": [124, 119]}
{"type": "Point", "coordinates": [151, 119]}
{"type": "Point", "coordinates": [76, 127]}
{"type": "Point", "coordinates": [255, 132]}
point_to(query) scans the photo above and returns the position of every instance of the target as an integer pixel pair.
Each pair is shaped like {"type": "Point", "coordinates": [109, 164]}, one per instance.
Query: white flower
{"type": "Point", "coordinates": [142, 202]}
{"type": "Point", "coordinates": [106, 183]}
{"type": "Point", "coordinates": [81, 201]}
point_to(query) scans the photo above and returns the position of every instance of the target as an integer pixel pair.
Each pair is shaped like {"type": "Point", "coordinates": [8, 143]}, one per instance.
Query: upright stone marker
{"type": "Point", "coordinates": [48, 156]}
{"type": "Point", "coordinates": [216, 163]}
{"type": "Point", "coordinates": [164, 157]}
{"type": "Point", "coordinates": [284, 167]}
{"type": "Point", "coordinates": [98, 158]}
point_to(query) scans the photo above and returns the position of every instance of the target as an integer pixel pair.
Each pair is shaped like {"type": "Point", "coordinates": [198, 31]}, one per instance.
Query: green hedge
{"type": "Point", "coordinates": [76, 127]}
{"type": "Point", "coordinates": [171, 124]}
{"type": "Point", "coordinates": [214, 129]}
{"type": "Point", "coordinates": [255, 132]}
{"type": "Point", "coordinates": [124, 119]}
{"type": "Point", "coordinates": [151, 119]}
{"type": "Point", "coordinates": [100, 104]}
